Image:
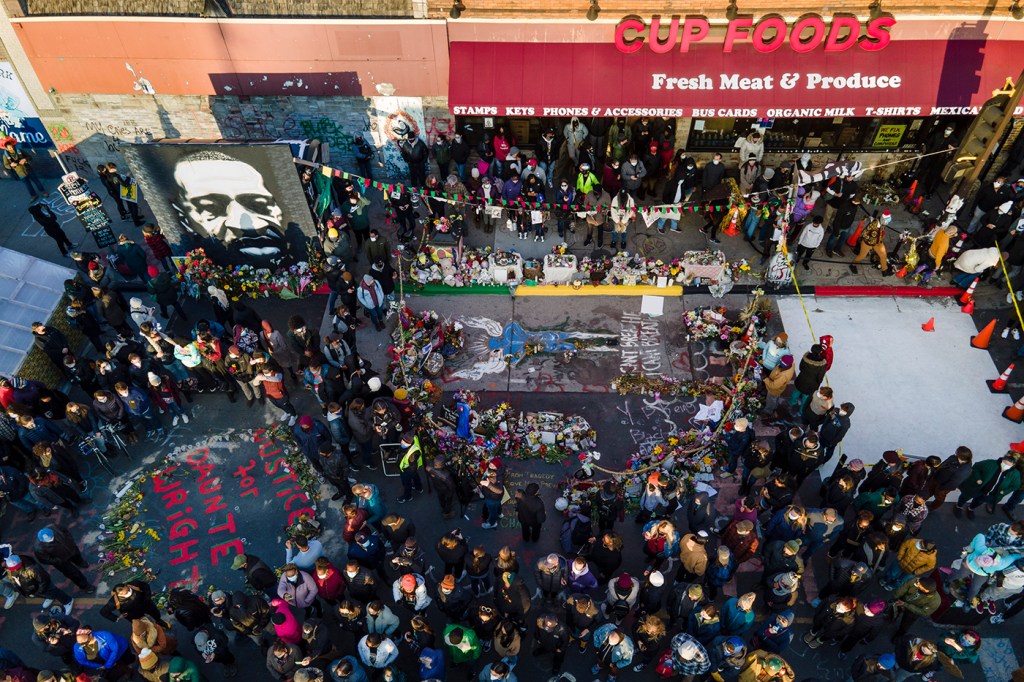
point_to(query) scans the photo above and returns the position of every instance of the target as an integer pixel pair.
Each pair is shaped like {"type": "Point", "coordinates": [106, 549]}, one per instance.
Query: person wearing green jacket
{"type": "Point", "coordinates": [961, 646]}
{"type": "Point", "coordinates": [463, 648]}
{"type": "Point", "coordinates": [989, 482]}
{"type": "Point", "coordinates": [878, 502]}
{"type": "Point", "coordinates": [917, 599]}
{"type": "Point", "coordinates": [184, 670]}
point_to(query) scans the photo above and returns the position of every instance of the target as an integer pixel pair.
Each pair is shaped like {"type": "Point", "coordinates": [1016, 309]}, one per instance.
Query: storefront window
{"type": "Point", "coordinates": [526, 131]}
{"type": "Point", "coordinates": [825, 134]}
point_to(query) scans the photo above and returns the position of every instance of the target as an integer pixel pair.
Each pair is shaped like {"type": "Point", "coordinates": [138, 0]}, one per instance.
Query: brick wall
{"type": "Point", "coordinates": [92, 129]}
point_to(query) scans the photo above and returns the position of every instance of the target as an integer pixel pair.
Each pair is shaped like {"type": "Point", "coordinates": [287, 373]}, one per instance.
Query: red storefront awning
{"type": "Point", "coordinates": [907, 78]}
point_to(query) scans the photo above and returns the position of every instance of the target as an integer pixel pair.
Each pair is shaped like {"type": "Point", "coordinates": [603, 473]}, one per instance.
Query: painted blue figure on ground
{"type": "Point", "coordinates": [507, 344]}
{"type": "Point", "coordinates": [462, 427]}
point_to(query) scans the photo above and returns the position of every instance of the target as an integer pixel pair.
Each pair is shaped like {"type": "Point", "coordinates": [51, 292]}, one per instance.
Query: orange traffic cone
{"type": "Point", "coordinates": [731, 229]}
{"type": "Point", "coordinates": [910, 195]}
{"type": "Point", "coordinates": [1017, 447]}
{"type": "Point", "coordinates": [966, 296]}
{"type": "Point", "coordinates": [750, 331]}
{"type": "Point", "coordinates": [969, 308]}
{"type": "Point", "coordinates": [855, 237]}
{"type": "Point", "coordinates": [902, 272]}
{"type": "Point", "coordinates": [1015, 413]}
{"type": "Point", "coordinates": [999, 385]}
{"type": "Point", "coordinates": [982, 339]}
{"type": "Point", "coordinates": [929, 326]}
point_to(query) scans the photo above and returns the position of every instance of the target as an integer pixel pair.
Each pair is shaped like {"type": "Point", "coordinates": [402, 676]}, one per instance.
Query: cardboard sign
{"type": "Point", "coordinates": [889, 136]}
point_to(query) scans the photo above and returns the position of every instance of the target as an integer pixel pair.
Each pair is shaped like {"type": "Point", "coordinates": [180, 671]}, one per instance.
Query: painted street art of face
{"type": "Point", "coordinates": [226, 198]}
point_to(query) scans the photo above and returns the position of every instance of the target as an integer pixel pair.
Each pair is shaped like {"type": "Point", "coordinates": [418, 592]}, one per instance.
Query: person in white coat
{"type": "Point", "coordinates": [622, 212]}
{"type": "Point", "coordinates": [973, 263]}
{"type": "Point", "coordinates": [809, 240]}
{"type": "Point", "coordinates": [752, 144]}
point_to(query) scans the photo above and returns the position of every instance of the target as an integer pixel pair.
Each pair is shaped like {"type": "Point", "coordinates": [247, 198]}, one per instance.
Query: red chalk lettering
{"type": "Point", "coordinates": [181, 529]}
{"type": "Point", "coordinates": [290, 476]}
{"type": "Point", "coordinates": [213, 504]}
{"type": "Point", "coordinates": [161, 485]}
{"type": "Point", "coordinates": [204, 470]}
{"type": "Point", "coordinates": [228, 525]}
{"type": "Point", "coordinates": [303, 497]}
{"type": "Point", "coordinates": [251, 491]}
{"type": "Point", "coordinates": [174, 498]}
{"type": "Point", "coordinates": [272, 467]}
{"type": "Point", "coordinates": [221, 550]}
{"type": "Point", "coordinates": [181, 549]}
{"type": "Point", "coordinates": [198, 456]}
{"type": "Point", "coordinates": [209, 486]}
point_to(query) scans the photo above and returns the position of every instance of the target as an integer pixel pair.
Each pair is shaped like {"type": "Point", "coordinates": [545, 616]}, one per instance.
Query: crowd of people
{"type": "Point", "coordinates": [389, 608]}
{"type": "Point", "coordinates": [599, 173]}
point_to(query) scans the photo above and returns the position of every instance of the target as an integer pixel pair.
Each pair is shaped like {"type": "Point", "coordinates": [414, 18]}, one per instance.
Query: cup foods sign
{"type": "Point", "coordinates": [806, 34]}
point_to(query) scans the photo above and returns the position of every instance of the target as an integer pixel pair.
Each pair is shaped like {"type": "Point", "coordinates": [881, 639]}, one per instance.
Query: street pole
{"type": "Point", "coordinates": [968, 180]}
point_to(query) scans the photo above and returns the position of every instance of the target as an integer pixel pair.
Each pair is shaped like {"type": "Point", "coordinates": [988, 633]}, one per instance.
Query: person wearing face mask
{"type": "Point", "coordinates": [990, 196]}
{"type": "Point", "coordinates": [988, 482]}
{"type": "Point", "coordinates": [832, 621]}
{"type": "Point", "coordinates": [459, 153]}
{"type": "Point", "coordinates": [749, 172]}
{"type": "Point", "coordinates": [547, 154]}
{"type": "Point", "coordinates": [620, 137]}
{"type": "Point", "coordinates": [575, 134]}
{"type": "Point", "coordinates": [565, 200]}
{"type": "Point", "coordinates": [775, 635]}
{"type": "Point", "coordinates": [622, 213]}
{"type": "Point", "coordinates": [490, 210]}
{"type": "Point", "coordinates": [873, 239]}
{"type": "Point", "coordinates": [401, 206]}
{"type": "Point", "coordinates": [713, 175]}
{"type": "Point", "coordinates": [611, 177]}
{"type": "Point", "coordinates": [633, 172]}
{"type": "Point", "coordinates": [940, 144]}
{"type": "Point", "coordinates": [596, 202]}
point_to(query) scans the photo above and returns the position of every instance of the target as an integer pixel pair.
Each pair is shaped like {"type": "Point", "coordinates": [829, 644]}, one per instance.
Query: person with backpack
{"type": "Point", "coordinates": [577, 529]}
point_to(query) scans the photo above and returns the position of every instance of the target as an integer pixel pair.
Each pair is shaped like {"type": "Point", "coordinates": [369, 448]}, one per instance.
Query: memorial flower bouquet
{"type": "Point", "coordinates": [707, 324]}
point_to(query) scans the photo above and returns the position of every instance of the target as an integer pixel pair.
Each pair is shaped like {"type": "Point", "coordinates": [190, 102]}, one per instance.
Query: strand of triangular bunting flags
{"type": "Point", "coordinates": [367, 183]}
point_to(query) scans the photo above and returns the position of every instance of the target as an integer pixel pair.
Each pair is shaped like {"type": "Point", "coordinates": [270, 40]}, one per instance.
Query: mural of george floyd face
{"type": "Point", "coordinates": [241, 203]}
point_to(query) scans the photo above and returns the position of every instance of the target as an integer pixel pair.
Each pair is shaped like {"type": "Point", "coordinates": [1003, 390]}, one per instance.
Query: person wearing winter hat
{"type": "Point", "coordinates": [868, 620]}
{"type": "Point", "coordinates": [166, 396]}
{"type": "Point", "coordinates": [777, 382]}
{"type": "Point", "coordinates": [872, 238]}
{"type": "Point", "coordinates": [56, 547]}
{"type": "Point", "coordinates": [31, 580]}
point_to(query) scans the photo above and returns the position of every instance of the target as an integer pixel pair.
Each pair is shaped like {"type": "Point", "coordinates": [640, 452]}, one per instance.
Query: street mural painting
{"type": "Point", "coordinates": [18, 116]}
{"type": "Point", "coordinates": [188, 517]}
{"type": "Point", "coordinates": [503, 345]}
{"type": "Point", "coordinates": [242, 203]}
{"type": "Point", "coordinates": [397, 117]}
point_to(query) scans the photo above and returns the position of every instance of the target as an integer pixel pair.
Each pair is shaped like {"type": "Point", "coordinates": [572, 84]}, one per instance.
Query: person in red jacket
{"type": "Point", "coordinates": [157, 243]}
{"type": "Point", "coordinates": [329, 581]}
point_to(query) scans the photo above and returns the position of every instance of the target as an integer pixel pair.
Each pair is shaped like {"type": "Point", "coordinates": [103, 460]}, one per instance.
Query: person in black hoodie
{"type": "Point", "coordinates": [842, 222]}
{"type": "Point", "coordinates": [530, 512]}
{"type": "Point", "coordinates": [415, 153]}
{"type": "Point", "coordinates": [130, 601]}
{"type": "Point", "coordinates": [54, 546]}
{"type": "Point", "coordinates": [597, 136]}
{"type": "Point", "coordinates": [258, 575]}
{"type": "Point", "coordinates": [990, 196]}
{"type": "Point", "coordinates": [459, 152]}
{"type": "Point", "coordinates": [813, 367]}
{"type": "Point", "coordinates": [948, 477]}
{"type": "Point", "coordinates": [188, 609]}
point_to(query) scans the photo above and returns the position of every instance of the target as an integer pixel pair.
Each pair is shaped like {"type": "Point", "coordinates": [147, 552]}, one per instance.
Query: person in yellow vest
{"type": "Point", "coordinates": [409, 466]}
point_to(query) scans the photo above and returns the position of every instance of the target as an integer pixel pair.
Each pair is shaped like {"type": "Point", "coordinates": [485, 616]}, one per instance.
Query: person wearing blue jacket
{"type": "Point", "coordinates": [738, 440]}
{"type": "Point", "coordinates": [347, 669]}
{"type": "Point", "coordinates": [432, 664]}
{"type": "Point", "coordinates": [32, 430]}
{"type": "Point", "coordinates": [310, 434]}
{"type": "Point", "coordinates": [140, 407]}
{"type": "Point", "coordinates": [789, 523]}
{"type": "Point", "coordinates": [738, 614]}
{"type": "Point", "coordinates": [775, 634]}
{"type": "Point", "coordinates": [720, 571]}
{"type": "Point", "coordinates": [101, 650]}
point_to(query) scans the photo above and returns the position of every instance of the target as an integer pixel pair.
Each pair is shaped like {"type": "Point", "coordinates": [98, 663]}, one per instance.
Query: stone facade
{"type": "Point", "coordinates": [92, 129]}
